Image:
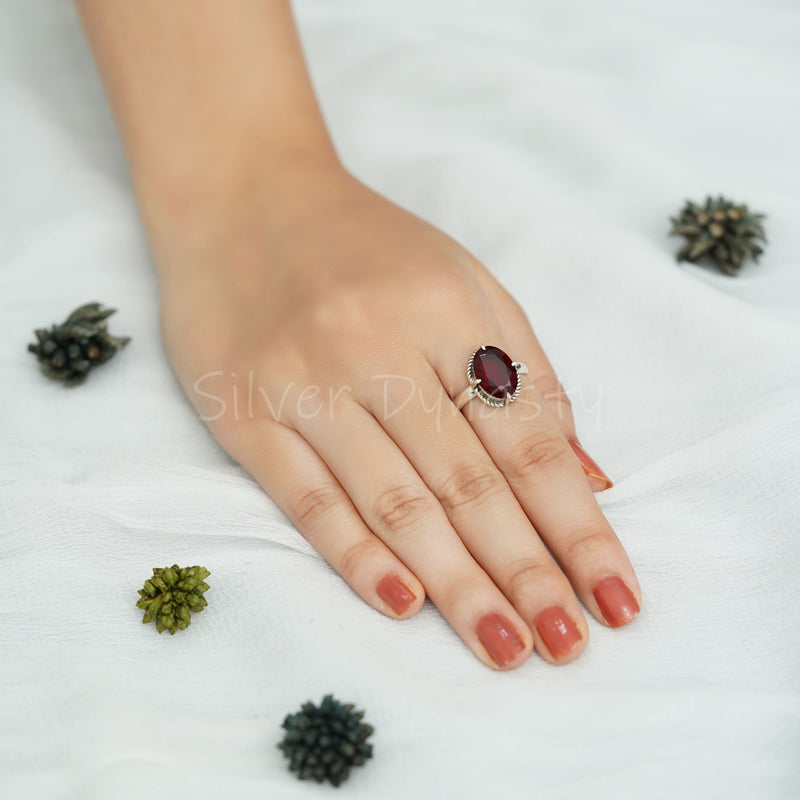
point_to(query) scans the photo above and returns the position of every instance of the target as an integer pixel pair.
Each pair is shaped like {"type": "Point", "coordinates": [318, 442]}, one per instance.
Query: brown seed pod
{"type": "Point", "coordinates": [723, 232]}
{"type": "Point", "coordinates": [67, 352]}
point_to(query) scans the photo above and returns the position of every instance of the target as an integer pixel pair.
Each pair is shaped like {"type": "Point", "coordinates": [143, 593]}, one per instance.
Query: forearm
{"type": "Point", "coordinates": [203, 91]}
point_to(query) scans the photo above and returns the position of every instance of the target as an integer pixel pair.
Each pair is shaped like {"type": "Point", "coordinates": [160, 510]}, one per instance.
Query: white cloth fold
{"type": "Point", "coordinates": [553, 140]}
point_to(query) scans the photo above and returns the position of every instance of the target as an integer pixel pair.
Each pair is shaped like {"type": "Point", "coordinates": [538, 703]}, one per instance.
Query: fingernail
{"type": "Point", "coordinates": [499, 638]}
{"type": "Point", "coordinates": [395, 594]}
{"type": "Point", "coordinates": [590, 466]}
{"type": "Point", "coordinates": [559, 633]}
{"type": "Point", "coordinates": [616, 601]}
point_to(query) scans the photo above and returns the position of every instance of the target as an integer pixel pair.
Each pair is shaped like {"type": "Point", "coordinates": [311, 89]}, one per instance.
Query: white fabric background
{"type": "Point", "coordinates": [553, 139]}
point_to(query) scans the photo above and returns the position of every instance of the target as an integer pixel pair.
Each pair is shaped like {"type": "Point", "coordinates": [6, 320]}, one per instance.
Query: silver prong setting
{"type": "Point", "coordinates": [474, 388]}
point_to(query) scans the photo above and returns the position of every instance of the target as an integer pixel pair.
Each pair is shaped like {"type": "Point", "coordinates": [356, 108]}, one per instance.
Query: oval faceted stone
{"type": "Point", "coordinates": [495, 370]}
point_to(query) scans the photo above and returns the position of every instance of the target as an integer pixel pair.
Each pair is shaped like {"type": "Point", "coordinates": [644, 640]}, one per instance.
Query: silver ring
{"type": "Point", "coordinates": [493, 377]}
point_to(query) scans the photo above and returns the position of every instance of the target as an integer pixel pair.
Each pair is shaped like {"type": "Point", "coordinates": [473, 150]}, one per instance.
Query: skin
{"type": "Point", "coordinates": [282, 272]}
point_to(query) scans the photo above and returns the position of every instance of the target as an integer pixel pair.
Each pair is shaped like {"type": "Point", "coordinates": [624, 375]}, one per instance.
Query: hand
{"type": "Point", "coordinates": [352, 321]}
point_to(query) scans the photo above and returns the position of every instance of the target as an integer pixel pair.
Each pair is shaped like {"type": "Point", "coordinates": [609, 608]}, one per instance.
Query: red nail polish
{"type": "Point", "coordinates": [499, 638]}
{"type": "Point", "coordinates": [559, 633]}
{"type": "Point", "coordinates": [395, 594]}
{"type": "Point", "coordinates": [590, 466]}
{"type": "Point", "coordinates": [616, 601]}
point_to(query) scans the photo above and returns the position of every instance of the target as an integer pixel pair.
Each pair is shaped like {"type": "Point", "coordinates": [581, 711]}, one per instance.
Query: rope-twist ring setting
{"type": "Point", "coordinates": [493, 377]}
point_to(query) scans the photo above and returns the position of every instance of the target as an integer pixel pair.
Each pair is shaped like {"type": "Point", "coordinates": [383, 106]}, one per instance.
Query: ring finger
{"type": "Point", "coordinates": [525, 442]}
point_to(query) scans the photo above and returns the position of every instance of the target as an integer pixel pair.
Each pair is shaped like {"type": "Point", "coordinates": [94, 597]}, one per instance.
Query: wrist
{"type": "Point", "coordinates": [214, 107]}
{"type": "Point", "coordinates": [191, 215]}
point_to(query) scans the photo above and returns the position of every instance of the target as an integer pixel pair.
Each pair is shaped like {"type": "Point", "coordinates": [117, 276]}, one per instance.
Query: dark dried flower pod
{"type": "Point", "coordinates": [323, 743]}
{"type": "Point", "coordinates": [171, 594]}
{"type": "Point", "coordinates": [68, 351]}
{"type": "Point", "coordinates": [726, 233]}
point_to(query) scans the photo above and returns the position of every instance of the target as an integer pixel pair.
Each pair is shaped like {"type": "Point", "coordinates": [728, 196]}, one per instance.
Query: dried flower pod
{"type": "Point", "coordinates": [323, 743]}
{"type": "Point", "coordinates": [171, 594]}
{"type": "Point", "coordinates": [722, 231]}
{"type": "Point", "coordinates": [68, 351]}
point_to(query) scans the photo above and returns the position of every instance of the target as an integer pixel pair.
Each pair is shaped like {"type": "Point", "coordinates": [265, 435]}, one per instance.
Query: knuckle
{"type": "Point", "coordinates": [342, 306]}
{"type": "Point", "coordinates": [314, 328]}
{"type": "Point", "coordinates": [524, 573]}
{"type": "Point", "coordinates": [586, 546]}
{"type": "Point", "coordinates": [459, 591]}
{"type": "Point", "coordinates": [446, 286]}
{"type": "Point", "coordinates": [537, 456]}
{"type": "Point", "coordinates": [401, 507]}
{"type": "Point", "coordinates": [354, 557]}
{"type": "Point", "coordinates": [561, 397]}
{"type": "Point", "coordinates": [469, 485]}
{"type": "Point", "coordinates": [442, 281]}
{"type": "Point", "coordinates": [314, 504]}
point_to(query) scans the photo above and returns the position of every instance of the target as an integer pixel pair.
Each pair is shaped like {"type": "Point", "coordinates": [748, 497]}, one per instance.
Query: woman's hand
{"type": "Point", "coordinates": [321, 331]}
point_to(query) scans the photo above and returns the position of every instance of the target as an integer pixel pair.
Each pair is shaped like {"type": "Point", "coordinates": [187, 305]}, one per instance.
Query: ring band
{"type": "Point", "coordinates": [493, 377]}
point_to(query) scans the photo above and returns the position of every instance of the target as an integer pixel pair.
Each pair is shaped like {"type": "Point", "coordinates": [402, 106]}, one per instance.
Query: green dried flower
{"type": "Point", "coordinates": [323, 743]}
{"type": "Point", "coordinates": [171, 594]}
{"type": "Point", "coordinates": [722, 231]}
{"type": "Point", "coordinates": [68, 351]}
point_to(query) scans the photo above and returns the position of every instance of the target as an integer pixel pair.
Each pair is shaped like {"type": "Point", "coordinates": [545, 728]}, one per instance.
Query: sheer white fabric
{"type": "Point", "coordinates": [554, 140]}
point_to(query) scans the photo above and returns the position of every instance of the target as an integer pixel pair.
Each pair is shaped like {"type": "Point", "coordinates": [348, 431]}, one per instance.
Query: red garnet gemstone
{"type": "Point", "coordinates": [495, 370]}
